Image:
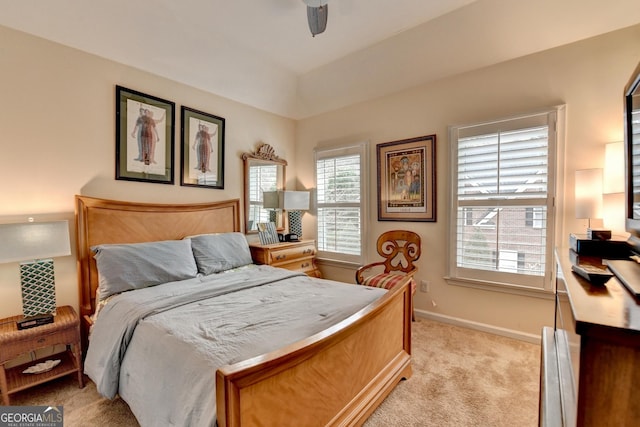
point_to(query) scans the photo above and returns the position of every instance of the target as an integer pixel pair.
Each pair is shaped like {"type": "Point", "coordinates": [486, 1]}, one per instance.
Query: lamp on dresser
{"type": "Point", "coordinates": [613, 198]}
{"type": "Point", "coordinates": [588, 199]}
{"type": "Point", "coordinates": [294, 202]}
{"type": "Point", "coordinates": [34, 244]}
{"type": "Point", "coordinates": [271, 202]}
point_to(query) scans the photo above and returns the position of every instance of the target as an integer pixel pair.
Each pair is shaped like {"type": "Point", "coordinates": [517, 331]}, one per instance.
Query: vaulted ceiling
{"type": "Point", "coordinates": [261, 52]}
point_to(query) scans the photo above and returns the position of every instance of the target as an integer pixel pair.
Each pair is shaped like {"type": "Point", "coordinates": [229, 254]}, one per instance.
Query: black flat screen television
{"type": "Point", "coordinates": [632, 158]}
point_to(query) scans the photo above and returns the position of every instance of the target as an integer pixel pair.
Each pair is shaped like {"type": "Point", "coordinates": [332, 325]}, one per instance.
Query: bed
{"type": "Point", "coordinates": [337, 375]}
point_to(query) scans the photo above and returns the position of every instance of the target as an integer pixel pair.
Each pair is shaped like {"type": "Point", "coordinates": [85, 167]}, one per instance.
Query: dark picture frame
{"type": "Point", "coordinates": [202, 139]}
{"type": "Point", "coordinates": [407, 179]}
{"type": "Point", "coordinates": [144, 137]}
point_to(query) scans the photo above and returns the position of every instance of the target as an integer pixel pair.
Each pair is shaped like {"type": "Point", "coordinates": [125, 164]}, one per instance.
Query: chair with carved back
{"type": "Point", "coordinates": [400, 249]}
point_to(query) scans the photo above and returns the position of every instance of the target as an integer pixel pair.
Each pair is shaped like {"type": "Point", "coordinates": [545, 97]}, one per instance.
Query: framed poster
{"type": "Point", "coordinates": [202, 142]}
{"type": "Point", "coordinates": [407, 179]}
{"type": "Point", "coordinates": [144, 137]}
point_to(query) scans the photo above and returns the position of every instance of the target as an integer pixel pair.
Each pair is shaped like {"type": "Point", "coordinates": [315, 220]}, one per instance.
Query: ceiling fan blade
{"type": "Point", "coordinates": [317, 17]}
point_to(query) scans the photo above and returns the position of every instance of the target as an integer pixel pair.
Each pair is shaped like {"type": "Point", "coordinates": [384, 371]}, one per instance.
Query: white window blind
{"type": "Point", "coordinates": [503, 200]}
{"type": "Point", "coordinates": [635, 157]}
{"type": "Point", "coordinates": [261, 178]}
{"type": "Point", "coordinates": [339, 201]}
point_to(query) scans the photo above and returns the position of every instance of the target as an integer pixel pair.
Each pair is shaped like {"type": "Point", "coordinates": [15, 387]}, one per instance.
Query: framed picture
{"type": "Point", "coordinates": [202, 149]}
{"type": "Point", "coordinates": [267, 233]}
{"type": "Point", "coordinates": [144, 137]}
{"type": "Point", "coordinates": [407, 180]}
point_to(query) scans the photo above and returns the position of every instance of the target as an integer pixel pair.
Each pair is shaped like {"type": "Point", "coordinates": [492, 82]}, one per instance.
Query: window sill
{"type": "Point", "coordinates": [337, 263]}
{"type": "Point", "coordinates": [501, 287]}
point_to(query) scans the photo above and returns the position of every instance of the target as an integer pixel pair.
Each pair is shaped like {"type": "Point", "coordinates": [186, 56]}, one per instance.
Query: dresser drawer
{"type": "Point", "coordinates": [303, 264]}
{"type": "Point", "coordinates": [17, 347]}
{"type": "Point", "coordinates": [278, 256]}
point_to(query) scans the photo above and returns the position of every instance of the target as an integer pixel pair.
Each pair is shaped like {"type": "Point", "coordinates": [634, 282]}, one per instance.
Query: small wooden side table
{"type": "Point", "coordinates": [65, 330]}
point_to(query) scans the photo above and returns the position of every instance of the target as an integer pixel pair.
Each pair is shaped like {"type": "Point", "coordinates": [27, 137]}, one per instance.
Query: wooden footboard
{"type": "Point", "coordinates": [336, 377]}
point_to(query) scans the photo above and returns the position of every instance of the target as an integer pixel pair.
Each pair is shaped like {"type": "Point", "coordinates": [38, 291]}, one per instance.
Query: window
{"type": "Point", "coordinates": [262, 177]}
{"type": "Point", "coordinates": [534, 218]}
{"type": "Point", "coordinates": [468, 216]}
{"type": "Point", "coordinates": [503, 178]}
{"type": "Point", "coordinates": [340, 183]}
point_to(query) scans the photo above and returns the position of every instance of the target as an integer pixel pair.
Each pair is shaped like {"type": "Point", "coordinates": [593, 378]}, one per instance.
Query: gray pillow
{"type": "Point", "coordinates": [219, 252]}
{"type": "Point", "coordinates": [124, 267]}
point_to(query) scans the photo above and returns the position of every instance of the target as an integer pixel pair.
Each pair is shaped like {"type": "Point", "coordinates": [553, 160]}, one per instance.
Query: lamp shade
{"type": "Point", "coordinates": [613, 217]}
{"type": "Point", "coordinates": [295, 200]}
{"type": "Point", "coordinates": [588, 193]}
{"type": "Point", "coordinates": [34, 240]}
{"type": "Point", "coordinates": [270, 200]}
{"type": "Point", "coordinates": [613, 174]}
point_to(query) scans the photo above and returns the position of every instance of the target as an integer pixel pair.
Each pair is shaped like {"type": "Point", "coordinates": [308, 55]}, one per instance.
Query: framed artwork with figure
{"type": "Point", "coordinates": [202, 142]}
{"type": "Point", "coordinates": [144, 137]}
{"type": "Point", "coordinates": [407, 179]}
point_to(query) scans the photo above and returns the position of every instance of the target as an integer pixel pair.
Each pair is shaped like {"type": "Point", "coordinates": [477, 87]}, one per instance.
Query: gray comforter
{"type": "Point", "coordinates": [159, 347]}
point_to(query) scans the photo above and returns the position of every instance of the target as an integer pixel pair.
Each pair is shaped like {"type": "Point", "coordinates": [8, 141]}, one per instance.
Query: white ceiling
{"type": "Point", "coordinates": [261, 52]}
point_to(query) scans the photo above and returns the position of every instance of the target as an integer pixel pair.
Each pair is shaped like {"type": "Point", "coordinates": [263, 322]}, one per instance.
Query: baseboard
{"type": "Point", "coordinates": [456, 321]}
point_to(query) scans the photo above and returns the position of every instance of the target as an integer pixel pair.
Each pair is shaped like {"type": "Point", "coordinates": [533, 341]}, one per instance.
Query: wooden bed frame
{"type": "Point", "coordinates": [336, 377]}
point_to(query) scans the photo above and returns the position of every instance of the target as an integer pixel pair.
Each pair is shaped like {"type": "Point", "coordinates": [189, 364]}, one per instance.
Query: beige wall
{"type": "Point", "coordinates": [588, 77]}
{"type": "Point", "coordinates": [57, 139]}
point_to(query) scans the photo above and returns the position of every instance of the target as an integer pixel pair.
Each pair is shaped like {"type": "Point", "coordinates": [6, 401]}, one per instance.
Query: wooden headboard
{"type": "Point", "coordinates": [100, 221]}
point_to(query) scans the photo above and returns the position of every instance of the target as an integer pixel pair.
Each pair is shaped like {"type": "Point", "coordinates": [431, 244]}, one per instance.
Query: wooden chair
{"type": "Point", "coordinates": [400, 249]}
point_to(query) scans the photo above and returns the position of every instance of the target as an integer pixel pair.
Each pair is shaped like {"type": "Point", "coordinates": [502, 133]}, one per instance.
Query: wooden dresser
{"type": "Point", "coordinates": [296, 256]}
{"type": "Point", "coordinates": [590, 372]}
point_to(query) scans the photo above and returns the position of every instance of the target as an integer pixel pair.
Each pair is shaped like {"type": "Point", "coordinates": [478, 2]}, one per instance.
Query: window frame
{"type": "Point", "coordinates": [326, 152]}
{"type": "Point", "coordinates": [502, 281]}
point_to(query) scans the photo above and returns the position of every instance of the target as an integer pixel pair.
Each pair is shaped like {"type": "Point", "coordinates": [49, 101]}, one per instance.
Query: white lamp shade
{"type": "Point", "coordinates": [34, 240]}
{"type": "Point", "coordinates": [270, 200]}
{"type": "Point", "coordinates": [613, 214]}
{"type": "Point", "coordinates": [295, 200]}
{"type": "Point", "coordinates": [613, 174]}
{"type": "Point", "coordinates": [588, 193]}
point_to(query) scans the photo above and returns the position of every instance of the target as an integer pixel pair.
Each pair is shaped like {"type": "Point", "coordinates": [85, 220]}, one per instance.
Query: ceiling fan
{"type": "Point", "coordinates": [317, 12]}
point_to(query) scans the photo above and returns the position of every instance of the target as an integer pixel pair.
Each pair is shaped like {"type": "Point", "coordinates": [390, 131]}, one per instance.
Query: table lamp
{"type": "Point", "coordinates": [294, 202]}
{"type": "Point", "coordinates": [34, 244]}
{"type": "Point", "coordinates": [270, 201]}
{"type": "Point", "coordinates": [588, 194]}
{"type": "Point", "coordinates": [613, 197]}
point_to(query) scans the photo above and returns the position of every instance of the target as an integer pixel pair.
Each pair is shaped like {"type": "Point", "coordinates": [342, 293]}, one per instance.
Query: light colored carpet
{"type": "Point", "coordinates": [461, 377]}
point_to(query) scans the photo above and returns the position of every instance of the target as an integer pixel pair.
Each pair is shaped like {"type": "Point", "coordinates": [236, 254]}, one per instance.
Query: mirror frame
{"type": "Point", "coordinates": [631, 96]}
{"type": "Point", "coordinates": [263, 155]}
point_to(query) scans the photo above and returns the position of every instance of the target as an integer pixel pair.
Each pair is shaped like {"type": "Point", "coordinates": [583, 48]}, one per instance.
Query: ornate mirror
{"type": "Point", "coordinates": [632, 152]}
{"type": "Point", "coordinates": [263, 171]}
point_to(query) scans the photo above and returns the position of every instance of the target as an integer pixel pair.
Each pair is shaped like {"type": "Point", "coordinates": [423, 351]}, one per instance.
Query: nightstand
{"type": "Point", "coordinates": [65, 330]}
{"type": "Point", "coordinates": [296, 256]}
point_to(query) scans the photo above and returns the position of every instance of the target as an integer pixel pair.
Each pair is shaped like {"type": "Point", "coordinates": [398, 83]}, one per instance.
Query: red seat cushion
{"type": "Point", "coordinates": [387, 281]}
